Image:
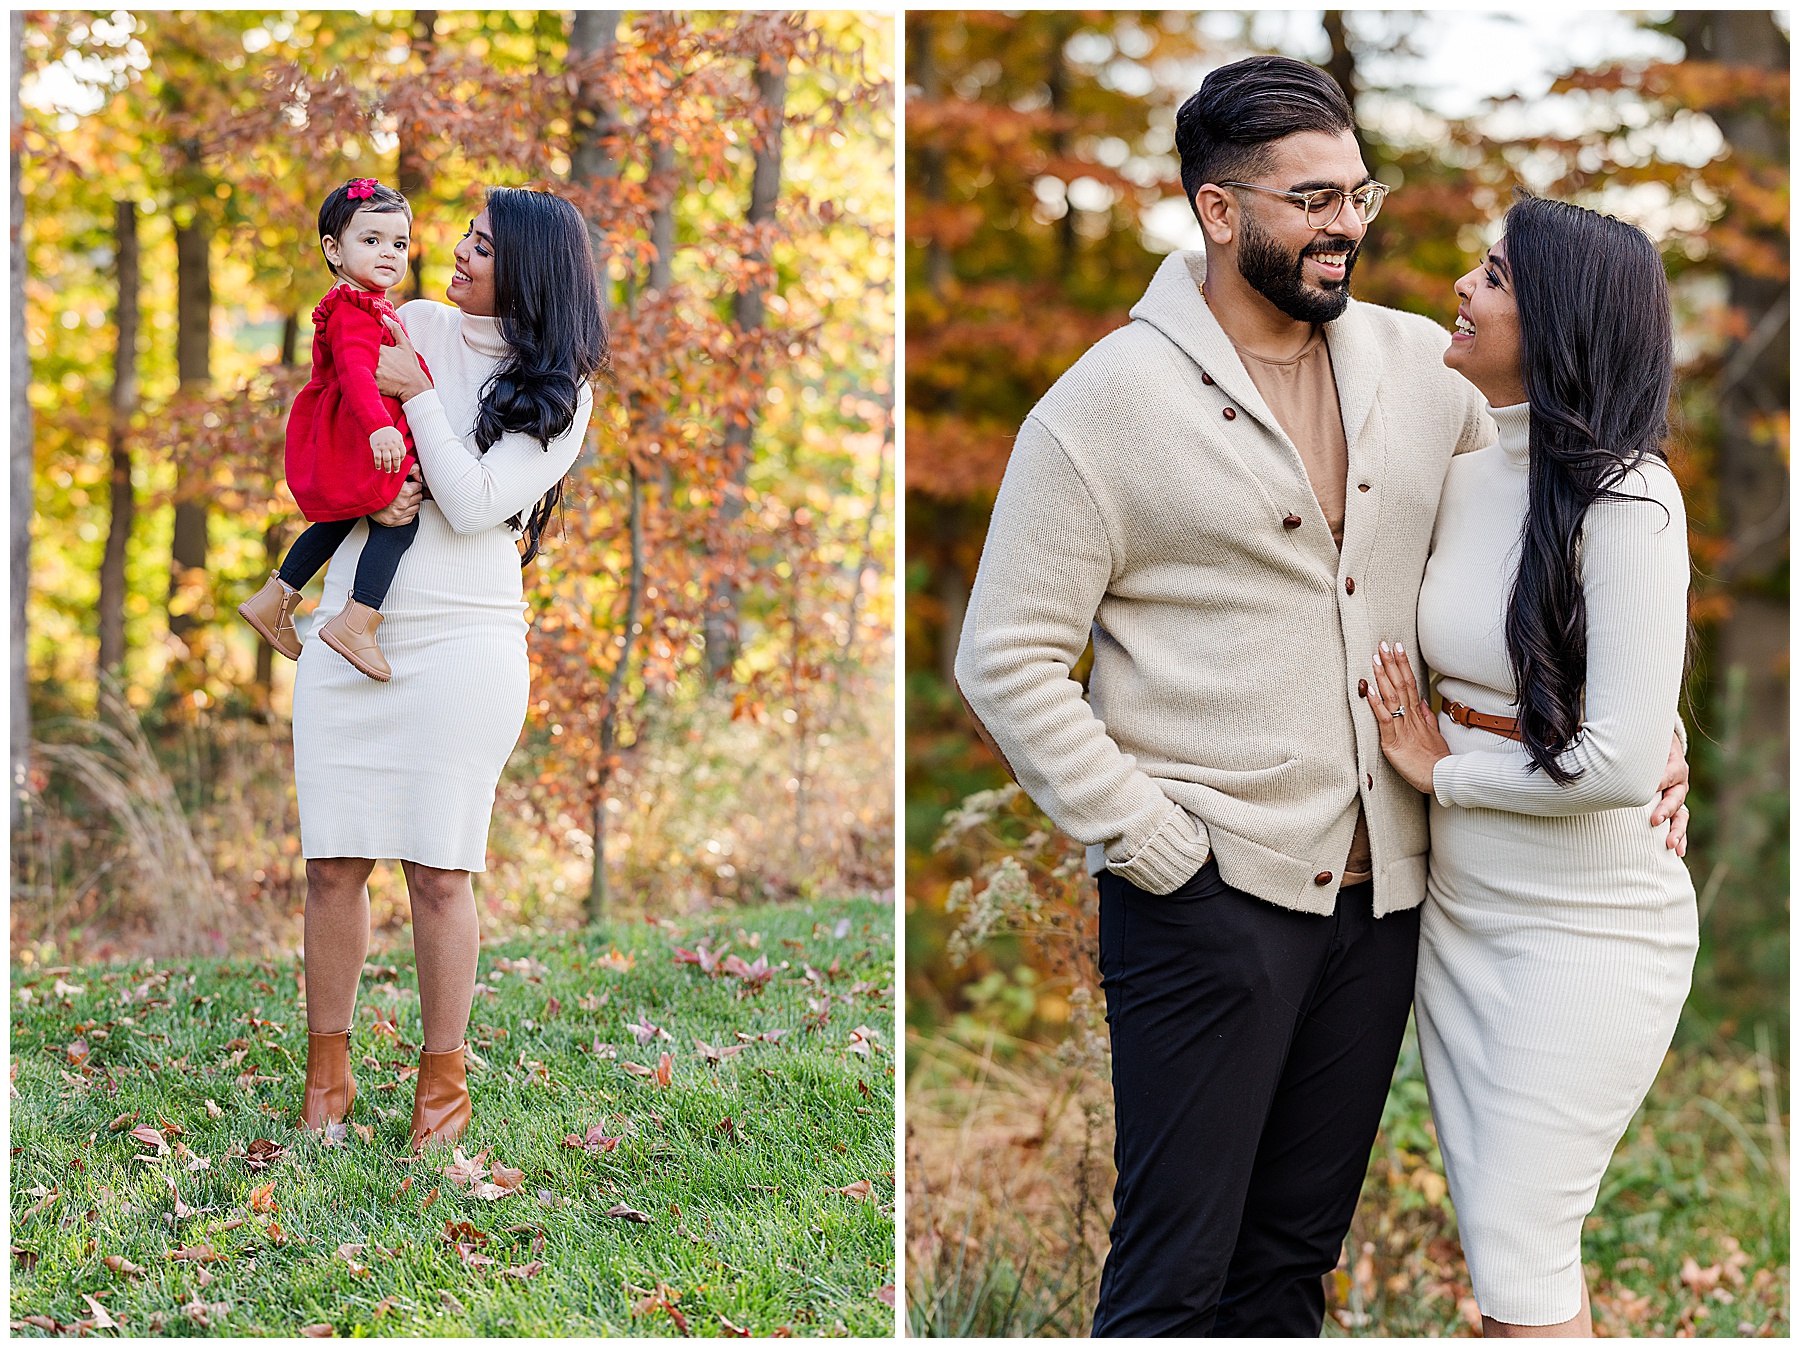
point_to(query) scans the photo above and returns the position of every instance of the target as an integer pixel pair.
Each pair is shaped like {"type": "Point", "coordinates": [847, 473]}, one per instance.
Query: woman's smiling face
{"type": "Point", "coordinates": [472, 285]}
{"type": "Point", "coordinates": [1485, 347]}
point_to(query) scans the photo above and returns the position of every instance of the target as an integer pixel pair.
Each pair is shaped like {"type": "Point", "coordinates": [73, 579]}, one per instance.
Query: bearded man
{"type": "Point", "coordinates": [1234, 496]}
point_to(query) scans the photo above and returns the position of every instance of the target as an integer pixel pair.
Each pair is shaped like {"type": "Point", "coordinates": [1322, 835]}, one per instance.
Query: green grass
{"type": "Point", "coordinates": [745, 1223]}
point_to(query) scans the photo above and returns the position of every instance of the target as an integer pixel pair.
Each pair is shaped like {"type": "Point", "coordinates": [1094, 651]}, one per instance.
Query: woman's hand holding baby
{"type": "Point", "coordinates": [389, 447]}
{"type": "Point", "coordinates": [398, 374]}
{"type": "Point", "coordinates": [404, 506]}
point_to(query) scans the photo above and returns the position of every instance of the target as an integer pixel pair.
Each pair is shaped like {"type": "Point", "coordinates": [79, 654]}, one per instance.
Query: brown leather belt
{"type": "Point", "coordinates": [1479, 720]}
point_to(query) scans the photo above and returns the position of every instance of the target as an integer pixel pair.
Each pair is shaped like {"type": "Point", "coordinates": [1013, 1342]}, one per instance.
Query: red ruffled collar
{"type": "Point", "coordinates": [367, 300]}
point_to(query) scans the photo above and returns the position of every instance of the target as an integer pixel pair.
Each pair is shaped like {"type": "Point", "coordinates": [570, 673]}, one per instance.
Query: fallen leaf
{"type": "Point", "coordinates": [385, 1305]}
{"type": "Point", "coordinates": [232, 1225]}
{"type": "Point", "coordinates": [101, 1319]}
{"type": "Point", "coordinates": [262, 1153]}
{"type": "Point", "coordinates": [885, 1294]}
{"type": "Point", "coordinates": [861, 1189]}
{"type": "Point", "coordinates": [122, 1266]}
{"type": "Point", "coordinates": [643, 1031]}
{"type": "Point", "coordinates": [451, 1303]}
{"type": "Point", "coordinates": [77, 1049]}
{"type": "Point", "coordinates": [28, 1259]}
{"type": "Point", "coordinates": [262, 1198]}
{"type": "Point", "coordinates": [523, 1271]}
{"type": "Point", "coordinates": [150, 1137]}
{"type": "Point", "coordinates": [489, 1192]}
{"type": "Point", "coordinates": [43, 1322]}
{"type": "Point", "coordinates": [505, 1178]}
{"type": "Point", "coordinates": [553, 1007]}
{"type": "Point", "coordinates": [318, 1331]}
{"type": "Point", "coordinates": [172, 1129]}
{"type": "Point", "coordinates": [861, 1040]}
{"type": "Point", "coordinates": [471, 1258]}
{"type": "Point", "coordinates": [665, 1070]}
{"type": "Point", "coordinates": [405, 1184]}
{"type": "Point", "coordinates": [731, 1330]}
{"type": "Point", "coordinates": [123, 1122]}
{"type": "Point", "coordinates": [197, 1254]}
{"type": "Point", "coordinates": [366, 1132]}
{"type": "Point", "coordinates": [63, 989]}
{"type": "Point", "coordinates": [430, 1198]}
{"type": "Point", "coordinates": [612, 959]}
{"type": "Point", "coordinates": [463, 1232]}
{"type": "Point", "coordinates": [711, 1054]}
{"type": "Point", "coordinates": [754, 976]}
{"type": "Point", "coordinates": [628, 1213]}
{"type": "Point", "coordinates": [463, 1169]}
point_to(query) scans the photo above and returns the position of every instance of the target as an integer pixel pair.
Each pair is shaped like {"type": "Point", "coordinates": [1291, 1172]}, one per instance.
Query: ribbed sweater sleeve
{"type": "Point", "coordinates": [1634, 568]}
{"type": "Point", "coordinates": [1044, 569]}
{"type": "Point", "coordinates": [354, 336]}
{"type": "Point", "coordinates": [477, 492]}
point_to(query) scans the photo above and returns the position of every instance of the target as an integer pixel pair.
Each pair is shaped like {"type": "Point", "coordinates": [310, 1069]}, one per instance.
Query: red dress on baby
{"type": "Point", "coordinates": [330, 469]}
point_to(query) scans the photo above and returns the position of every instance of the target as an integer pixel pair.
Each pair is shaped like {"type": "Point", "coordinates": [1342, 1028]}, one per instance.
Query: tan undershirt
{"type": "Point", "coordinates": [1302, 393]}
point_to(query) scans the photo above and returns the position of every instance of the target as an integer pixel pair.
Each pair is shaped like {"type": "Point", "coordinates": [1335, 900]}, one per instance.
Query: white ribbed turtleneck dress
{"type": "Point", "coordinates": [406, 770]}
{"type": "Point", "coordinates": [1559, 932]}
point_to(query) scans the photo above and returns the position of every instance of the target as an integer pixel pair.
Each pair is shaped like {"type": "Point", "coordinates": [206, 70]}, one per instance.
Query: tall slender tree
{"type": "Point", "coordinates": [21, 484]}
{"type": "Point", "coordinates": [193, 360]}
{"type": "Point", "coordinates": [749, 313]}
{"type": "Point", "coordinates": [413, 175]}
{"type": "Point", "coordinates": [122, 501]}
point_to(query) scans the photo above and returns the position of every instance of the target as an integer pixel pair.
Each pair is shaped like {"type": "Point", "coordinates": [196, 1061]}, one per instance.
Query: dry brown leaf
{"type": "Point", "coordinates": [318, 1331]}
{"type": "Point", "coordinates": [861, 1189]}
{"type": "Point", "coordinates": [123, 1122]}
{"type": "Point", "coordinates": [212, 1109]}
{"type": "Point", "coordinates": [628, 1213]}
{"type": "Point", "coordinates": [150, 1137]}
{"type": "Point", "coordinates": [197, 1254]}
{"type": "Point", "coordinates": [637, 1069]}
{"type": "Point", "coordinates": [262, 1198]}
{"type": "Point", "coordinates": [665, 1070]}
{"type": "Point", "coordinates": [885, 1295]}
{"type": "Point", "coordinates": [506, 1178]}
{"type": "Point", "coordinates": [733, 1331]}
{"type": "Point", "coordinates": [523, 1271]}
{"type": "Point", "coordinates": [101, 1319]}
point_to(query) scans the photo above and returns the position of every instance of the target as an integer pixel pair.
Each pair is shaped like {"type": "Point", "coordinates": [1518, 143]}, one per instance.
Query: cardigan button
{"type": "Point", "coordinates": [1362, 486]}
{"type": "Point", "coordinates": [1205, 378]}
{"type": "Point", "coordinates": [1231, 414]}
{"type": "Point", "coordinates": [1369, 777]}
{"type": "Point", "coordinates": [1362, 687]}
{"type": "Point", "coordinates": [1291, 522]}
{"type": "Point", "coordinates": [1322, 878]}
{"type": "Point", "coordinates": [1349, 585]}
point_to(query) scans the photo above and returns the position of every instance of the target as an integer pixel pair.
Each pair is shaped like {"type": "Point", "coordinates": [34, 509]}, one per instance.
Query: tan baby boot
{"type": "Point", "coordinates": [352, 635]}
{"type": "Point", "coordinates": [271, 612]}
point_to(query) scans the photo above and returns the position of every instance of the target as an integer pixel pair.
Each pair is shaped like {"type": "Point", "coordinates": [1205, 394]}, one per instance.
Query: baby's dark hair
{"type": "Point", "coordinates": [341, 207]}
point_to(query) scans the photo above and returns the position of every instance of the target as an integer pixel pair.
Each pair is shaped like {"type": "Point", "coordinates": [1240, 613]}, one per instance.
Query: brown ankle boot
{"type": "Point", "coordinates": [441, 1100]}
{"type": "Point", "coordinates": [330, 1089]}
{"type": "Point", "coordinates": [352, 635]}
{"type": "Point", "coordinates": [271, 612]}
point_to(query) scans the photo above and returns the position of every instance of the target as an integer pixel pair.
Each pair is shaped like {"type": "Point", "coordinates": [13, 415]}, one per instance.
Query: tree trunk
{"type": "Point", "coordinates": [662, 219]}
{"type": "Point", "coordinates": [413, 173]}
{"type": "Point", "coordinates": [1752, 388]}
{"type": "Point", "coordinates": [615, 691]}
{"type": "Point", "coordinates": [721, 626]}
{"type": "Point", "coordinates": [593, 33]}
{"type": "Point", "coordinates": [274, 542]}
{"type": "Point", "coordinates": [922, 69]}
{"type": "Point", "coordinates": [22, 464]}
{"type": "Point", "coordinates": [123, 501]}
{"type": "Point", "coordinates": [193, 346]}
{"type": "Point", "coordinates": [1342, 68]}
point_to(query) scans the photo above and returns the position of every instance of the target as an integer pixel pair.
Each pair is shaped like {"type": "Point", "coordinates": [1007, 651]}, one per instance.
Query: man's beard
{"type": "Point", "coordinates": [1278, 275]}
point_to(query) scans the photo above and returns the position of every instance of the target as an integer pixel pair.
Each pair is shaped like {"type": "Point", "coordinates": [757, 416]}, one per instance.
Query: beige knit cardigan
{"type": "Point", "coordinates": [1149, 500]}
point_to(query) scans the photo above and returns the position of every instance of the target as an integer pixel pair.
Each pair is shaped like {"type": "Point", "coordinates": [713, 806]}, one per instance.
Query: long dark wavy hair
{"type": "Point", "coordinates": [547, 297]}
{"type": "Point", "coordinates": [1598, 365]}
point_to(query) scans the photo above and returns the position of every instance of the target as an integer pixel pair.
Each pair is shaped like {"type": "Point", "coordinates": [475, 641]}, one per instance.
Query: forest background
{"type": "Point", "coordinates": [712, 647]}
{"type": "Point", "coordinates": [1042, 191]}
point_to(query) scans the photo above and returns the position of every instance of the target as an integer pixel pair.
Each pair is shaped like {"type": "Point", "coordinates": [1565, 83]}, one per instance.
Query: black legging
{"type": "Point", "coordinates": [374, 569]}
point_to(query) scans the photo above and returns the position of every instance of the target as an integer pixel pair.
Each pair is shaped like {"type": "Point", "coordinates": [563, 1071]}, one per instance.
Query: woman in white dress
{"type": "Point", "coordinates": [1559, 933]}
{"type": "Point", "coordinates": [407, 769]}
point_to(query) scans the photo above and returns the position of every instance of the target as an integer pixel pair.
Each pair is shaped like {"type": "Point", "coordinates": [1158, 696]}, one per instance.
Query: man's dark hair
{"type": "Point", "coordinates": [341, 206]}
{"type": "Point", "coordinates": [1225, 129]}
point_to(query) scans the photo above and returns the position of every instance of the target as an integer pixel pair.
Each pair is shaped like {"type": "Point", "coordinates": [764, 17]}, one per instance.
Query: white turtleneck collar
{"type": "Point", "coordinates": [1514, 424]}
{"type": "Point", "coordinates": [482, 333]}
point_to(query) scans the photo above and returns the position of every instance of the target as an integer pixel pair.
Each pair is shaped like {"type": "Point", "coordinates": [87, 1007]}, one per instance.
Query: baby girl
{"type": "Point", "coordinates": [348, 448]}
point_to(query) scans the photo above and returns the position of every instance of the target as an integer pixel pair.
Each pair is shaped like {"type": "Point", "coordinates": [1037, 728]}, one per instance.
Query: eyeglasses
{"type": "Point", "coordinates": [1325, 204]}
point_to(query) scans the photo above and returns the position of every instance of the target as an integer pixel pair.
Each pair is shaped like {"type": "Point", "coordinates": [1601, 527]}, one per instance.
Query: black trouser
{"type": "Point", "coordinates": [1252, 1049]}
{"type": "Point", "coordinates": [374, 569]}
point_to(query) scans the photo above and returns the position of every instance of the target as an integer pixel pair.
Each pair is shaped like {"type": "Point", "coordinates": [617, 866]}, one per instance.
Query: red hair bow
{"type": "Point", "coordinates": [361, 189]}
